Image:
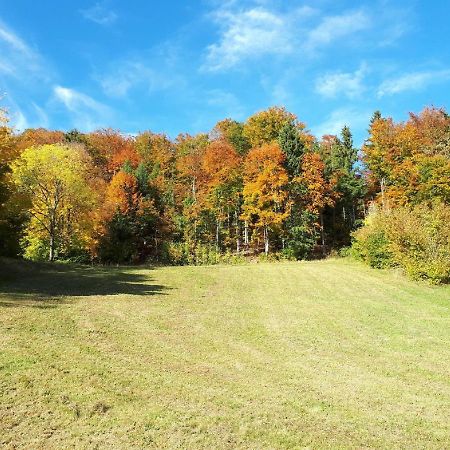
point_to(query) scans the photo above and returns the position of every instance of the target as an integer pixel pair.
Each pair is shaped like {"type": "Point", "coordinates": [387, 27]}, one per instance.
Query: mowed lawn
{"type": "Point", "coordinates": [326, 354]}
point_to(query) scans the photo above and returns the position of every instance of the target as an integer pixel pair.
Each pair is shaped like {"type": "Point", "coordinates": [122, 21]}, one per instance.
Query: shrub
{"type": "Point", "coordinates": [371, 243]}
{"type": "Point", "coordinates": [420, 241]}
{"type": "Point", "coordinates": [231, 258]}
{"type": "Point", "coordinates": [35, 248]}
{"type": "Point", "coordinates": [417, 239]}
{"type": "Point", "coordinates": [186, 253]}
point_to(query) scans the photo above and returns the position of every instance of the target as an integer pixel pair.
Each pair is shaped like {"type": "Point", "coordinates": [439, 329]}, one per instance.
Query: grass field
{"type": "Point", "coordinates": [326, 354]}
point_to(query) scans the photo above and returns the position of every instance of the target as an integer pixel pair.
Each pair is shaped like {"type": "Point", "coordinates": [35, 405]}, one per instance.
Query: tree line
{"type": "Point", "coordinates": [265, 186]}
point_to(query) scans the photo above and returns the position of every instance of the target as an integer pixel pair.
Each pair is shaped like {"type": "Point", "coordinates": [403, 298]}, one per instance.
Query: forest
{"type": "Point", "coordinates": [265, 188]}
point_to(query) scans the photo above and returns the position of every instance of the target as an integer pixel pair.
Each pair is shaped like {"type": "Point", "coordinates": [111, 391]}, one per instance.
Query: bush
{"type": "Point", "coordinates": [416, 239]}
{"type": "Point", "coordinates": [186, 253]}
{"type": "Point", "coordinates": [420, 241]}
{"type": "Point", "coordinates": [232, 258]}
{"type": "Point", "coordinates": [371, 243]}
{"type": "Point", "coordinates": [35, 248]}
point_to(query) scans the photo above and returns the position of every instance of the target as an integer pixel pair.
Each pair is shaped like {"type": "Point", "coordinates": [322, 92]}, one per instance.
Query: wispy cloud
{"type": "Point", "coordinates": [19, 121]}
{"type": "Point", "coordinates": [14, 41]}
{"type": "Point", "coordinates": [136, 73]}
{"type": "Point", "coordinates": [100, 14]}
{"type": "Point", "coordinates": [26, 115]}
{"type": "Point", "coordinates": [332, 28]}
{"type": "Point", "coordinates": [262, 30]}
{"type": "Point", "coordinates": [414, 81]}
{"type": "Point", "coordinates": [350, 116]}
{"type": "Point", "coordinates": [41, 115]}
{"type": "Point", "coordinates": [17, 58]}
{"type": "Point", "coordinates": [23, 70]}
{"type": "Point", "coordinates": [86, 113]}
{"type": "Point", "coordinates": [347, 84]}
{"type": "Point", "coordinates": [251, 33]}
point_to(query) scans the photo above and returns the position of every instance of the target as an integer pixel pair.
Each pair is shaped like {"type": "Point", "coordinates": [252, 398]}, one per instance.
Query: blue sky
{"type": "Point", "coordinates": [181, 66]}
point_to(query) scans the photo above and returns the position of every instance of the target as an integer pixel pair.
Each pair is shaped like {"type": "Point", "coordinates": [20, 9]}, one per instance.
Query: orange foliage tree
{"type": "Point", "coordinates": [221, 165]}
{"type": "Point", "coordinates": [266, 205]}
{"type": "Point", "coordinates": [403, 159]}
{"type": "Point", "coordinates": [318, 191]}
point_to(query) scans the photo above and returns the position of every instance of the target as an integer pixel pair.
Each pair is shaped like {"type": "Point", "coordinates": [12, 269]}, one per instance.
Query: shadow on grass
{"type": "Point", "coordinates": [46, 285]}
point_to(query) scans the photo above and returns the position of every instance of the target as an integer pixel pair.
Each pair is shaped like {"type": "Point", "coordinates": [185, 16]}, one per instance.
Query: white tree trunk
{"type": "Point", "coordinates": [266, 240]}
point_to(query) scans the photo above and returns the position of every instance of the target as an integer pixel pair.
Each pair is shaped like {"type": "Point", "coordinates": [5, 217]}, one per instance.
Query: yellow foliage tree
{"type": "Point", "coordinates": [264, 127]}
{"type": "Point", "coordinates": [266, 203]}
{"type": "Point", "coordinates": [55, 179]}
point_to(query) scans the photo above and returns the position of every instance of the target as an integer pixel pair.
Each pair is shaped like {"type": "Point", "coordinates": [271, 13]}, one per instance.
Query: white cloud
{"type": "Point", "coordinates": [248, 34]}
{"type": "Point", "coordinates": [251, 33]}
{"type": "Point", "coordinates": [19, 121]}
{"type": "Point", "coordinates": [100, 14]}
{"type": "Point", "coordinates": [352, 117]}
{"type": "Point", "coordinates": [349, 84]}
{"type": "Point", "coordinates": [43, 120]}
{"type": "Point", "coordinates": [6, 68]}
{"type": "Point", "coordinates": [135, 73]}
{"type": "Point", "coordinates": [25, 114]}
{"type": "Point", "coordinates": [87, 113]}
{"type": "Point", "coordinates": [332, 28]}
{"type": "Point", "coordinates": [11, 39]}
{"type": "Point", "coordinates": [17, 58]}
{"type": "Point", "coordinates": [414, 81]}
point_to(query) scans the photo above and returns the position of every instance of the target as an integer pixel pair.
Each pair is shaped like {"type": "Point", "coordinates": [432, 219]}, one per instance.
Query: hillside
{"type": "Point", "coordinates": [326, 354]}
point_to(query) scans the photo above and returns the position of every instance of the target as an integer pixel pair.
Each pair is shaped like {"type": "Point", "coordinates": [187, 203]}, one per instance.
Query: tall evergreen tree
{"type": "Point", "coordinates": [293, 148]}
{"type": "Point", "coordinates": [344, 155]}
{"type": "Point", "coordinates": [375, 116]}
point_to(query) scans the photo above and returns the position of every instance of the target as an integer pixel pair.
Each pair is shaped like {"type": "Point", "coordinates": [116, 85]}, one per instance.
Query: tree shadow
{"type": "Point", "coordinates": [46, 285]}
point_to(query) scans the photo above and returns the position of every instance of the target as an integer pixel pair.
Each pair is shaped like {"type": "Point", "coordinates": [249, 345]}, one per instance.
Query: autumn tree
{"type": "Point", "coordinates": [6, 156]}
{"type": "Point", "coordinates": [190, 193]}
{"type": "Point", "coordinates": [318, 191]}
{"type": "Point", "coordinates": [129, 226]}
{"type": "Point", "coordinates": [157, 154]}
{"type": "Point", "coordinates": [11, 213]}
{"type": "Point", "coordinates": [401, 158]}
{"type": "Point", "coordinates": [221, 164]}
{"type": "Point", "coordinates": [266, 203]}
{"type": "Point", "coordinates": [34, 137]}
{"type": "Point", "coordinates": [56, 180]}
{"type": "Point", "coordinates": [233, 132]}
{"type": "Point", "coordinates": [265, 126]}
{"type": "Point", "coordinates": [109, 149]}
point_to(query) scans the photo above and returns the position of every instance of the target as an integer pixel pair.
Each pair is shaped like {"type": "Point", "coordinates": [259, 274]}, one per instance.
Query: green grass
{"type": "Point", "coordinates": [326, 354]}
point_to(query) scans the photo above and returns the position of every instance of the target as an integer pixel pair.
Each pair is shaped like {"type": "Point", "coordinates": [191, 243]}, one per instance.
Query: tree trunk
{"type": "Point", "coordinates": [238, 233]}
{"type": "Point", "coordinates": [246, 233]}
{"type": "Point", "coordinates": [217, 234]}
{"type": "Point", "coordinates": [382, 185]}
{"type": "Point", "coordinates": [322, 233]}
{"type": "Point", "coordinates": [266, 240]}
{"type": "Point", "coordinates": [52, 247]}
{"type": "Point", "coordinates": [51, 256]}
